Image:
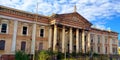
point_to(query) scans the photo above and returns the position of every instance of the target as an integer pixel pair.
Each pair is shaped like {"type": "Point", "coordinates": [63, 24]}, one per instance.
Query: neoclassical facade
{"type": "Point", "coordinates": [69, 32]}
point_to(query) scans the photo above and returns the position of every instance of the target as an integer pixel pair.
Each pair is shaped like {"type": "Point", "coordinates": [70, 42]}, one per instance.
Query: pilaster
{"type": "Point", "coordinates": [14, 36]}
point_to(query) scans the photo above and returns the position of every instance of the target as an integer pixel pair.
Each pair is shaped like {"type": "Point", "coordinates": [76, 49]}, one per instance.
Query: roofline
{"type": "Point", "coordinates": [71, 13]}
{"type": "Point", "coordinates": [22, 11]}
{"type": "Point", "coordinates": [105, 30]}
{"type": "Point", "coordinates": [84, 18]}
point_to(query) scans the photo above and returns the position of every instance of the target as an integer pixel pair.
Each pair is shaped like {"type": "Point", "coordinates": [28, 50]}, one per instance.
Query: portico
{"type": "Point", "coordinates": [69, 39]}
{"type": "Point", "coordinates": [69, 34]}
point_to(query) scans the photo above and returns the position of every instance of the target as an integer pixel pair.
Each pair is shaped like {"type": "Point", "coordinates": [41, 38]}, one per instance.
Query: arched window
{"type": "Point", "coordinates": [23, 45]}
{"type": "Point", "coordinates": [41, 46]}
{"type": "Point", "coordinates": [2, 44]}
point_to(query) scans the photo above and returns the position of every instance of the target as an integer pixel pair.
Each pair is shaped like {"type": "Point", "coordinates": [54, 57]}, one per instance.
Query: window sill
{"type": "Point", "coordinates": [2, 50]}
{"type": "Point", "coordinates": [24, 35]}
{"type": "Point", "coordinates": [42, 37]}
{"type": "Point", "coordinates": [3, 33]}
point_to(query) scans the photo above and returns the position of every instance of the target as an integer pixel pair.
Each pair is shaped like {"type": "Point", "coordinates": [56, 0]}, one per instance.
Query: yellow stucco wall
{"type": "Point", "coordinates": [28, 38]}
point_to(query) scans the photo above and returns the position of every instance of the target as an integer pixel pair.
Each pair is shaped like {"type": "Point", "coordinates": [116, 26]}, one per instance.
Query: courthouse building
{"type": "Point", "coordinates": [69, 32]}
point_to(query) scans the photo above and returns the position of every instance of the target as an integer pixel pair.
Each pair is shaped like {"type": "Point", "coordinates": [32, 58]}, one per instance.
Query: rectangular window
{"type": "Point", "coordinates": [4, 28]}
{"type": "Point", "coordinates": [24, 32]}
{"type": "Point", "coordinates": [23, 45]}
{"type": "Point", "coordinates": [98, 49]}
{"type": "Point", "coordinates": [41, 32]}
{"type": "Point", "coordinates": [114, 50]}
{"type": "Point", "coordinates": [91, 38]}
{"type": "Point", "coordinates": [105, 49]}
{"type": "Point", "coordinates": [105, 39]}
{"type": "Point", "coordinates": [98, 38]}
{"type": "Point", "coordinates": [40, 46]}
{"type": "Point", "coordinates": [91, 48]}
{"type": "Point", "coordinates": [85, 38]}
{"type": "Point", "coordinates": [113, 41]}
{"type": "Point", "coordinates": [2, 44]}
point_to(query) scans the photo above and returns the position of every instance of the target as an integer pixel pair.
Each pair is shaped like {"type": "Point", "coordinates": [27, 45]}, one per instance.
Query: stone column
{"type": "Point", "coordinates": [96, 42]}
{"type": "Point", "coordinates": [71, 37]}
{"type": "Point", "coordinates": [83, 41]}
{"type": "Point", "coordinates": [110, 45]}
{"type": "Point", "coordinates": [63, 39]}
{"type": "Point", "coordinates": [14, 37]}
{"type": "Point", "coordinates": [77, 40]}
{"type": "Point", "coordinates": [55, 38]}
{"type": "Point", "coordinates": [50, 38]}
{"type": "Point", "coordinates": [88, 38]}
{"type": "Point", "coordinates": [33, 39]}
{"type": "Point", "coordinates": [80, 41]}
{"type": "Point", "coordinates": [103, 47]}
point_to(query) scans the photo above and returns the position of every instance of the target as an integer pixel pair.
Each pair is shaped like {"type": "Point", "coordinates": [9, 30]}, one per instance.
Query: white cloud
{"type": "Point", "coordinates": [93, 10]}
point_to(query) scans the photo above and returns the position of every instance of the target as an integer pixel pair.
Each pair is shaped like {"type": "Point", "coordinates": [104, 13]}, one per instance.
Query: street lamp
{"type": "Point", "coordinates": [36, 18]}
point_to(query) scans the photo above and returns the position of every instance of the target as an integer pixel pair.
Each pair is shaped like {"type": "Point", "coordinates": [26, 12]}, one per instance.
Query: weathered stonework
{"type": "Point", "coordinates": [70, 32]}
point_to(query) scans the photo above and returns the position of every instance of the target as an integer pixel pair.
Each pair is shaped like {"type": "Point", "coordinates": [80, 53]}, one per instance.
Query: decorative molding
{"type": "Point", "coordinates": [22, 20]}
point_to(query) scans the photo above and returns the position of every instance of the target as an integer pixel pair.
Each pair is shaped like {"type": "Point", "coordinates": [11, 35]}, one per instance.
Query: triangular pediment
{"type": "Point", "coordinates": [77, 17]}
{"type": "Point", "coordinates": [72, 19]}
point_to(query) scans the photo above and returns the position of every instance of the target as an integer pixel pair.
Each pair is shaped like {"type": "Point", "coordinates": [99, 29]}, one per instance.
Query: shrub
{"type": "Point", "coordinates": [21, 55]}
{"type": "Point", "coordinates": [60, 55]}
{"type": "Point", "coordinates": [95, 54]}
{"type": "Point", "coordinates": [43, 55]}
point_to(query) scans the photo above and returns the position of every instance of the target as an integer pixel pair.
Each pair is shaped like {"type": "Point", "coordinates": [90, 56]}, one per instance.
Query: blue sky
{"type": "Point", "coordinates": [104, 14]}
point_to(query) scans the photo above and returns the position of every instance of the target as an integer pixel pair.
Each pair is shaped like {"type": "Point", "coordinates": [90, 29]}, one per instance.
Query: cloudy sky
{"type": "Point", "coordinates": [104, 14]}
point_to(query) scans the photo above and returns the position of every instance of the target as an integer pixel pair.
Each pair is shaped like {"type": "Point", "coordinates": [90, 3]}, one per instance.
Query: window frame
{"type": "Point", "coordinates": [106, 50]}
{"type": "Point", "coordinates": [40, 46]}
{"type": "Point", "coordinates": [6, 27]}
{"type": "Point", "coordinates": [98, 38]}
{"type": "Point", "coordinates": [4, 44]}
{"type": "Point", "coordinates": [98, 49]}
{"type": "Point", "coordinates": [106, 39]}
{"type": "Point", "coordinates": [2, 28]}
{"type": "Point", "coordinates": [43, 32]}
{"type": "Point", "coordinates": [92, 38]}
{"type": "Point", "coordinates": [23, 30]}
{"type": "Point", "coordinates": [23, 49]}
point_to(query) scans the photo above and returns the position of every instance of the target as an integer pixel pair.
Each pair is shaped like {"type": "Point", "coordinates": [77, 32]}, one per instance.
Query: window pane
{"type": "Point", "coordinates": [23, 45]}
{"type": "Point", "coordinates": [98, 39]}
{"type": "Point", "coordinates": [2, 44]}
{"type": "Point", "coordinates": [4, 28]}
{"type": "Point", "coordinates": [24, 30]}
{"type": "Point", "coordinates": [106, 50]}
{"type": "Point", "coordinates": [98, 49]}
{"type": "Point", "coordinates": [91, 38]}
{"type": "Point", "coordinates": [40, 46]}
{"type": "Point", "coordinates": [41, 32]}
